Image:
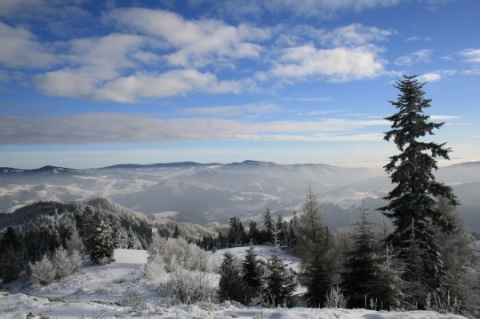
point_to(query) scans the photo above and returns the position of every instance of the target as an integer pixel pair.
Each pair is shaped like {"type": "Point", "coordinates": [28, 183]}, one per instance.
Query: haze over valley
{"type": "Point", "coordinates": [214, 192]}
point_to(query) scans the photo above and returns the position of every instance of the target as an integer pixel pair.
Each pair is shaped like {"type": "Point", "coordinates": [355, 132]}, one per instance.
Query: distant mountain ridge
{"type": "Point", "coordinates": [207, 192]}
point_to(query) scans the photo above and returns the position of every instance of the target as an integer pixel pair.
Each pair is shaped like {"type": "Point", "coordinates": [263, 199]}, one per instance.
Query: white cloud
{"type": "Point", "coordinates": [20, 49]}
{"type": "Point", "coordinates": [339, 64]}
{"type": "Point", "coordinates": [355, 35]}
{"type": "Point", "coordinates": [249, 110]}
{"type": "Point", "coordinates": [87, 83]}
{"type": "Point", "coordinates": [172, 83]}
{"type": "Point", "coordinates": [420, 56]}
{"type": "Point", "coordinates": [471, 55]}
{"type": "Point", "coordinates": [193, 42]}
{"type": "Point", "coordinates": [134, 128]}
{"type": "Point", "coordinates": [430, 77]}
{"type": "Point", "coordinates": [324, 8]}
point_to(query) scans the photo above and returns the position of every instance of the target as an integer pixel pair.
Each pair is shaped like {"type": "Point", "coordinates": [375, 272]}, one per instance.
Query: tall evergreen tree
{"type": "Point", "coordinates": [252, 273]}
{"type": "Point", "coordinates": [412, 201]}
{"type": "Point", "coordinates": [269, 225]}
{"type": "Point", "coordinates": [369, 275]}
{"type": "Point", "coordinates": [11, 255]}
{"type": "Point", "coordinates": [361, 266]}
{"type": "Point", "coordinates": [231, 284]}
{"type": "Point", "coordinates": [236, 233]}
{"type": "Point", "coordinates": [314, 247]}
{"type": "Point", "coordinates": [101, 241]}
{"type": "Point", "coordinates": [280, 281]}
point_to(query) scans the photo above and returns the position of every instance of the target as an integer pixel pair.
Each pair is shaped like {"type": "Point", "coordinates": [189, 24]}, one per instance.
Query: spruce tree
{"type": "Point", "coordinates": [361, 266]}
{"type": "Point", "coordinates": [252, 275]}
{"type": "Point", "coordinates": [11, 255]}
{"type": "Point", "coordinates": [412, 201]}
{"type": "Point", "coordinates": [231, 285]}
{"type": "Point", "coordinates": [280, 281]}
{"type": "Point", "coordinates": [269, 225]}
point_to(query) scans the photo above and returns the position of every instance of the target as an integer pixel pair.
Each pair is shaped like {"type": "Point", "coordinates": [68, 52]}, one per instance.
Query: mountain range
{"type": "Point", "coordinates": [204, 193]}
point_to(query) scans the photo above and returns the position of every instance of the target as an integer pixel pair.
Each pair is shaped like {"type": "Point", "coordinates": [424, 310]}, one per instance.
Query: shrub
{"type": "Point", "coordinates": [189, 287]}
{"type": "Point", "coordinates": [43, 271]}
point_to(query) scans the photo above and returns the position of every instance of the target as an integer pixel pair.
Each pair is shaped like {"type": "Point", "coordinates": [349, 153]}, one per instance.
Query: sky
{"type": "Point", "coordinates": [87, 84]}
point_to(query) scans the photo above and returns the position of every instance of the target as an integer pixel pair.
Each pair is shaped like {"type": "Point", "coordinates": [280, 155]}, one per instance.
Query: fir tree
{"type": "Point", "coordinates": [11, 255]}
{"type": "Point", "coordinates": [269, 225]}
{"type": "Point", "coordinates": [101, 242]}
{"type": "Point", "coordinates": [280, 281]}
{"type": "Point", "coordinates": [231, 284]}
{"type": "Point", "coordinates": [252, 273]}
{"type": "Point", "coordinates": [412, 201]}
{"type": "Point", "coordinates": [360, 276]}
{"type": "Point", "coordinates": [318, 280]}
{"type": "Point", "coordinates": [236, 233]}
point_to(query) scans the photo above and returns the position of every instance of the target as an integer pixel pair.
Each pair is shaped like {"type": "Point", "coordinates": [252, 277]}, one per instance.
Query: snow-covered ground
{"type": "Point", "coordinates": [118, 291]}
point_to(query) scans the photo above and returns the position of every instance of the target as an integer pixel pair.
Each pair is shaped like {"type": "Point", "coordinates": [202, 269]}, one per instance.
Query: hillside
{"type": "Point", "coordinates": [119, 291]}
{"type": "Point", "coordinates": [204, 193]}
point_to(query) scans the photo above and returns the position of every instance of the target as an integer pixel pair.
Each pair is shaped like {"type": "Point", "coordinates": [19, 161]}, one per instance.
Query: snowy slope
{"type": "Point", "coordinates": [107, 291]}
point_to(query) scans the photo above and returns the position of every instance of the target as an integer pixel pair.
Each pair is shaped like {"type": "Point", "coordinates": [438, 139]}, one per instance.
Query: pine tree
{"type": "Point", "coordinates": [11, 255]}
{"type": "Point", "coordinates": [231, 284]}
{"type": "Point", "coordinates": [318, 280]}
{"type": "Point", "coordinates": [252, 274]}
{"type": "Point", "coordinates": [361, 266]}
{"type": "Point", "coordinates": [412, 201]}
{"type": "Point", "coordinates": [280, 281]}
{"type": "Point", "coordinates": [388, 289]}
{"type": "Point", "coordinates": [236, 233]}
{"type": "Point", "coordinates": [268, 224]}
{"type": "Point", "coordinates": [101, 242]}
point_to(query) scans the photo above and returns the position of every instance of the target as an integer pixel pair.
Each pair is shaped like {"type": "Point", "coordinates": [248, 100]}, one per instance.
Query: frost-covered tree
{"type": "Point", "coordinates": [61, 263]}
{"type": "Point", "coordinates": [412, 201]}
{"type": "Point", "coordinates": [314, 247]}
{"type": "Point", "coordinates": [252, 275]}
{"type": "Point", "coordinates": [230, 286]}
{"type": "Point", "coordinates": [75, 242]}
{"type": "Point", "coordinates": [101, 240]}
{"type": "Point", "coordinates": [43, 271]}
{"type": "Point", "coordinates": [280, 282]}
{"type": "Point", "coordinates": [314, 238]}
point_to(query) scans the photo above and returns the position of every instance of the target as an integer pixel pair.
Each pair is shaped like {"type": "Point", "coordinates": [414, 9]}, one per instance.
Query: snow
{"type": "Point", "coordinates": [110, 291]}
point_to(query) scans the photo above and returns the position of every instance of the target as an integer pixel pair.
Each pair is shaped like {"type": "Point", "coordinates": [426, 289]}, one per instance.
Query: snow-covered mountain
{"type": "Point", "coordinates": [215, 192]}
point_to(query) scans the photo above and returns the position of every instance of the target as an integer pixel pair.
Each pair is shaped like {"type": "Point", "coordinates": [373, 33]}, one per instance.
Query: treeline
{"type": "Point", "coordinates": [236, 235]}
{"type": "Point", "coordinates": [354, 267]}
{"type": "Point", "coordinates": [39, 233]}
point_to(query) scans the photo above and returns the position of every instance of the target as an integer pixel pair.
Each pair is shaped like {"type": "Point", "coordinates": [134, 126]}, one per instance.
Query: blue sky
{"type": "Point", "coordinates": [90, 83]}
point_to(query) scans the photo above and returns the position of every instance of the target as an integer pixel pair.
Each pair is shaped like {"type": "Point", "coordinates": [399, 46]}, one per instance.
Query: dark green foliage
{"type": "Point", "coordinates": [280, 282]}
{"type": "Point", "coordinates": [412, 201]}
{"type": "Point", "coordinates": [314, 245]}
{"type": "Point", "coordinates": [368, 275]}
{"type": "Point", "coordinates": [252, 275]}
{"type": "Point", "coordinates": [268, 225]}
{"type": "Point", "coordinates": [11, 257]}
{"type": "Point", "coordinates": [231, 285]}
{"type": "Point", "coordinates": [318, 280]}
{"type": "Point", "coordinates": [236, 234]}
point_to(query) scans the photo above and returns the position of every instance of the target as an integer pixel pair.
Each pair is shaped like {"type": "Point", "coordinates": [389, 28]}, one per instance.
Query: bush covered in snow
{"type": "Point", "coordinates": [177, 252]}
{"type": "Point", "coordinates": [188, 287]}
